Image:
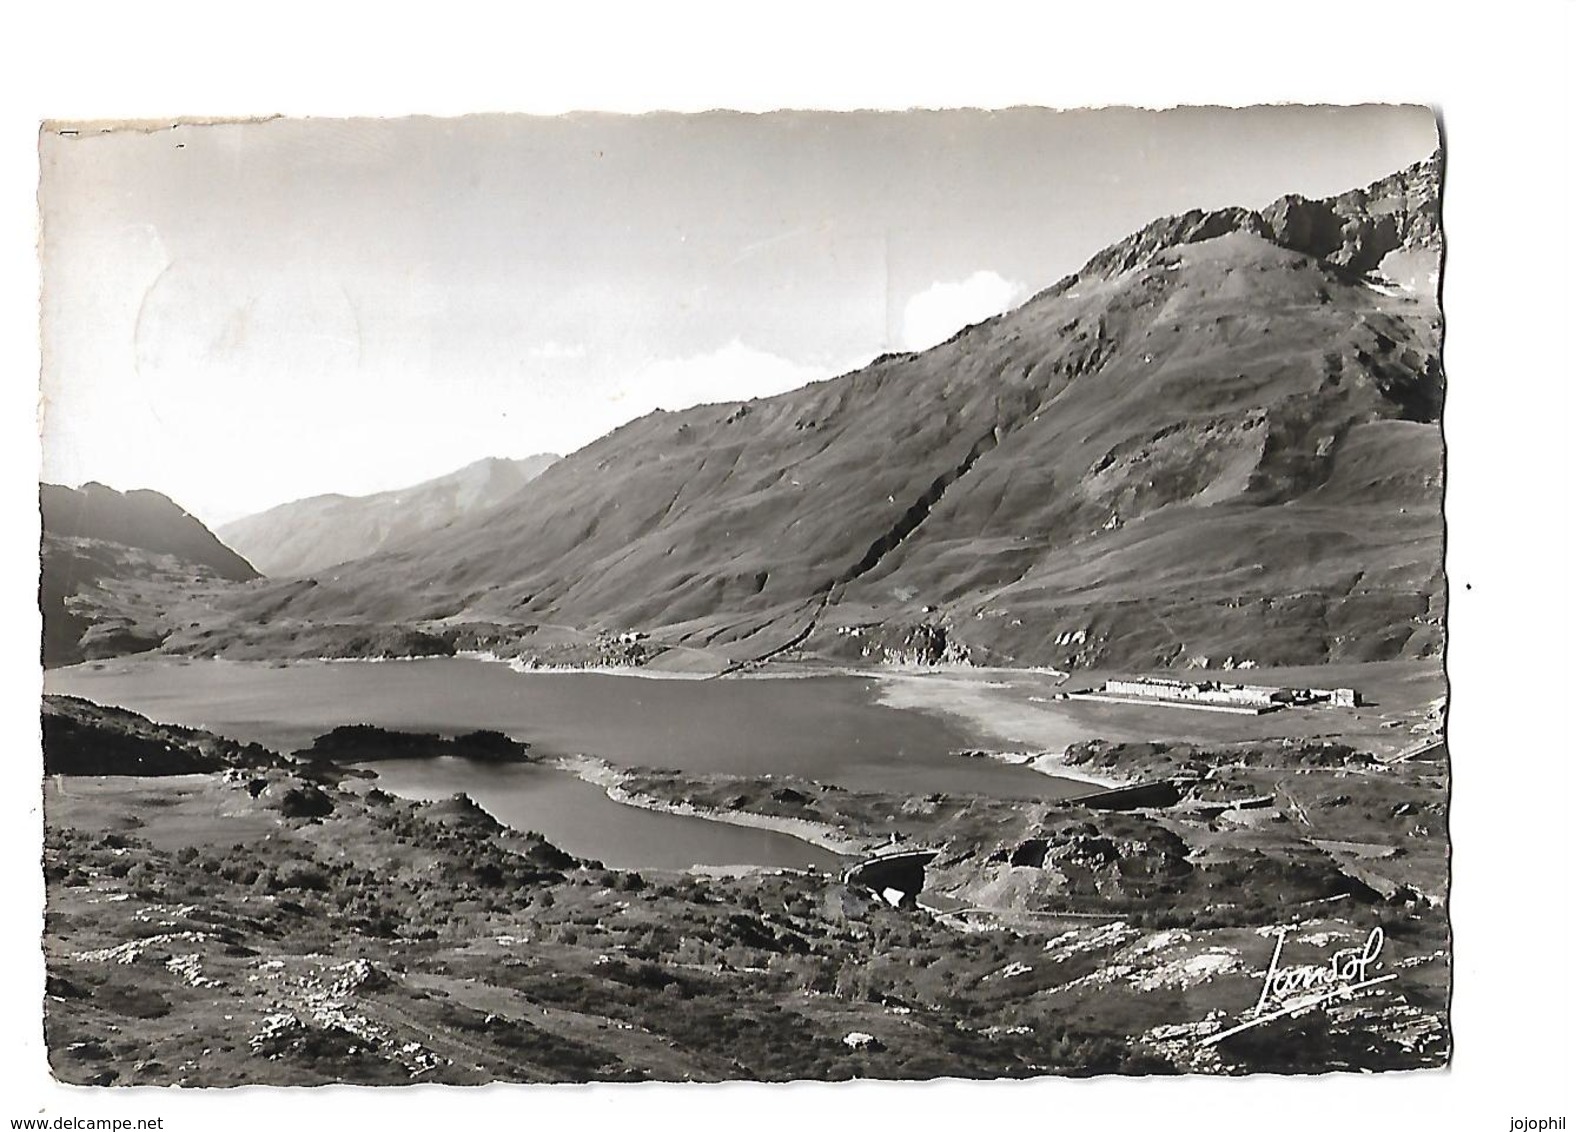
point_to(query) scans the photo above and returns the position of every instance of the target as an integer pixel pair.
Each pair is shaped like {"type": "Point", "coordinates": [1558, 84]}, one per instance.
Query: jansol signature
{"type": "Point", "coordinates": [1290, 991]}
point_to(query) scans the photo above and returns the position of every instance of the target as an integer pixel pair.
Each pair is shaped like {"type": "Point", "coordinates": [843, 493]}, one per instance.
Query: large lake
{"type": "Point", "coordinates": [829, 728]}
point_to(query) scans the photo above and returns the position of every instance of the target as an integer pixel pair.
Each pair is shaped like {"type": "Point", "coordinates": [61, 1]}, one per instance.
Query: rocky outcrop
{"type": "Point", "coordinates": [1356, 231]}
{"type": "Point", "coordinates": [1168, 232]}
{"type": "Point", "coordinates": [81, 737]}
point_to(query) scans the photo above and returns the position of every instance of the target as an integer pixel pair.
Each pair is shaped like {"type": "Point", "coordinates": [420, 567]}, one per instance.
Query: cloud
{"type": "Point", "coordinates": [735, 372]}
{"type": "Point", "coordinates": [944, 308]}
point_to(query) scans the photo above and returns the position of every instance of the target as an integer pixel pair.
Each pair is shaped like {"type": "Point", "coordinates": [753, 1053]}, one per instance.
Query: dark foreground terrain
{"type": "Point", "coordinates": [269, 921]}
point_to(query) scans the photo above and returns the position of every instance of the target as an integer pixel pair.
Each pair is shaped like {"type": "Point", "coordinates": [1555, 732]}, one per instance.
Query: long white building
{"type": "Point", "coordinates": [1260, 697]}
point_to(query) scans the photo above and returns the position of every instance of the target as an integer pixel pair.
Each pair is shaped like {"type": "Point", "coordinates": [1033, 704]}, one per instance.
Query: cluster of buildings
{"type": "Point", "coordinates": [1214, 695]}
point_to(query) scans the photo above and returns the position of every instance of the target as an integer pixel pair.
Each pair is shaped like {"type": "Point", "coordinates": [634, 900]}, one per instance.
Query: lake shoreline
{"type": "Point", "coordinates": [902, 687]}
{"type": "Point", "coordinates": [613, 781]}
{"type": "Point", "coordinates": [949, 695]}
{"type": "Point", "coordinates": [987, 708]}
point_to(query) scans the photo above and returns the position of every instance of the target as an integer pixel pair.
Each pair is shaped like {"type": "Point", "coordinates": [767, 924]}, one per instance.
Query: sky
{"type": "Point", "coordinates": [242, 314]}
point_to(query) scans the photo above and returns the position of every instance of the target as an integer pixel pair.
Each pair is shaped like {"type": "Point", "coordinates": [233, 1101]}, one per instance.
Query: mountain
{"type": "Point", "coordinates": [311, 534]}
{"type": "Point", "coordinates": [1217, 443]}
{"type": "Point", "coordinates": [114, 565]}
{"type": "Point", "coordinates": [142, 519]}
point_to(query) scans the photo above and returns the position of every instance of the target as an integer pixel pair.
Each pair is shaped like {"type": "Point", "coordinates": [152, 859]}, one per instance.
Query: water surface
{"type": "Point", "coordinates": [828, 728]}
{"type": "Point", "coordinates": [580, 818]}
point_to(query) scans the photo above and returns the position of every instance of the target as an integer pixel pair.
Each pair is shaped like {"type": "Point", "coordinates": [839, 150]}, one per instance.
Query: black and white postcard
{"type": "Point", "coordinates": [719, 596]}
{"type": "Point", "coordinates": [706, 596]}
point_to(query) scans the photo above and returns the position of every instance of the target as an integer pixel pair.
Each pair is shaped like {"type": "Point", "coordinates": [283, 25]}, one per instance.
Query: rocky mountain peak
{"type": "Point", "coordinates": [1390, 228]}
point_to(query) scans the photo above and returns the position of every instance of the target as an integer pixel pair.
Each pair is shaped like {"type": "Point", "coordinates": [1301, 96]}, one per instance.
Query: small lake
{"type": "Point", "coordinates": [580, 818]}
{"type": "Point", "coordinates": [827, 728]}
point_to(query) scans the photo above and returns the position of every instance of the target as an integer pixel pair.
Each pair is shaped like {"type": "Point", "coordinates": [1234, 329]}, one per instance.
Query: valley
{"type": "Point", "coordinates": [737, 743]}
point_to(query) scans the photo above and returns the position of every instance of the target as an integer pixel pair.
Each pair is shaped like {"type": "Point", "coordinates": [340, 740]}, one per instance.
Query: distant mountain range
{"type": "Point", "coordinates": [325, 530]}
{"type": "Point", "coordinates": [1217, 443]}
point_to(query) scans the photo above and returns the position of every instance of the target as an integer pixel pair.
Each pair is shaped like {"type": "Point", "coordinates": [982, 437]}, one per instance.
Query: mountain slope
{"type": "Point", "coordinates": [311, 534]}
{"type": "Point", "coordinates": [142, 519]}
{"type": "Point", "coordinates": [1219, 439]}
{"type": "Point", "coordinates": [113, 566]}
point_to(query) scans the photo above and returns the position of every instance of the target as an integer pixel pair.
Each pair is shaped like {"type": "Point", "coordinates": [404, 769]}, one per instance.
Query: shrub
{"type": "Point", "coordinates": [305, 802]}
{"type": "Point", "coordinates": [299, 875]}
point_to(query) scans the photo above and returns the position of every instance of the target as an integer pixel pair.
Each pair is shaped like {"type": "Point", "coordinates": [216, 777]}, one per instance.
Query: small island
{"type": "Point", "coordinates": [363, 742]}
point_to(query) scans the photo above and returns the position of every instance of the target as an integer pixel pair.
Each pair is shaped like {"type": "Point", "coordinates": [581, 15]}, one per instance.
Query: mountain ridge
{"type": "Point", "coordinates": [141, 518]}
{"type": "Point", "coordinates": [1218, 441]}
{"type": "Point", "coordinates": [310, 534]}
{"type": "Point", "coordinates": [114, 565]}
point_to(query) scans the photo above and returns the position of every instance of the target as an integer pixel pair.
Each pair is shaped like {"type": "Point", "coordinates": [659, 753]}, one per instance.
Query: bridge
{"type": "Point", "coordinates": [901, 871]}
